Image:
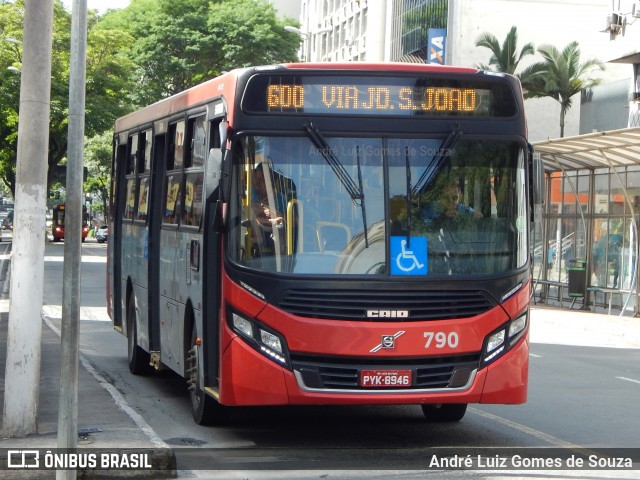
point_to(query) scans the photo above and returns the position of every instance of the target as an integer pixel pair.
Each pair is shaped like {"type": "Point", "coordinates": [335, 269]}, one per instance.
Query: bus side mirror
{"type": "Point", "coordinates": [225, 179]}
{"type": "Point", "coordinates": [538, 180]}
{"type": "Point", "coordinates": [214, 169]}
{"type": "Point", "coordinates": [215, 182]}
{"type": "Point", "coordinates": [218, 217]}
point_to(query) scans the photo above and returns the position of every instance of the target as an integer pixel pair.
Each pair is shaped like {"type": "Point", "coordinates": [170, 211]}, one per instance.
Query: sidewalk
{"type": "Point", "coordinates": [583, 328]}
{"type": "Point", "coordinates": [105, 420]}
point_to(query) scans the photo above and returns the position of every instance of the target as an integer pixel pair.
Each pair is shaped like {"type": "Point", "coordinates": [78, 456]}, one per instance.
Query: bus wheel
{"type": "Point", "coordinates": [205, 410]}
{"type": "Point", "coordinates": [448, 412]}
{"type": "Point", "coordinates": [139, 360]}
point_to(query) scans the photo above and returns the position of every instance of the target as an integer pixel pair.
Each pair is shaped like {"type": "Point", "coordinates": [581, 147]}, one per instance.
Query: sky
{"type": "Point", "coordinates": [100, 5]}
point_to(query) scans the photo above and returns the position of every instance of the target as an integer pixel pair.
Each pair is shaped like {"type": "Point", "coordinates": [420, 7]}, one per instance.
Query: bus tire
{"type": "Point", "coordinates": [446, 412]}
{"type": "Point", "coordinates": [205, 409]}
{"type": "Point", "coordinates": [139, 360]}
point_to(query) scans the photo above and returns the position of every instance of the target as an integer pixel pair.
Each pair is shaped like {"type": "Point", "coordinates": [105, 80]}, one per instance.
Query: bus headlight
{"type": "Point", "coordinates": [494, 342]}
{"type": "Point", "coordinates": [242, 325]}
{"type": "Point", "coordinates": [501, 340]}
{"type": "Point", "coordinates": [265, 340]}
{"type": "Point", "coordinates": [517, 326]}
{"type": "Point", "coordinates": [271, 341]}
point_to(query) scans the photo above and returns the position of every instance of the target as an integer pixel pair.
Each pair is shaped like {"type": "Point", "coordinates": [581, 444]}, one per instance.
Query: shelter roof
{"type": "Point", "coordinates": [609, 149]}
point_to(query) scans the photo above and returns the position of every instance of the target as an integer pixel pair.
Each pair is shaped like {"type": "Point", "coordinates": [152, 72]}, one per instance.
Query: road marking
{"type": "Point", "coordinates": [117, 396]}
{"type": "Point", "coordinates": [86, 313]}
{"type": "Point", "coordinates": [534, 355]}
{"type": "Point", "coordinates": [535, 433]}
{"type": "Point", "coordinates": [629, 379]}
{"type": "Point", "coordinates": [528, 430]}
{"type": "Point", "coordinates": [85, 258]}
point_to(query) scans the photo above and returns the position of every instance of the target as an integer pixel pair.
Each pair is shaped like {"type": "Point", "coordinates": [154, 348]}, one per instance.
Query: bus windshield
{"type": "Point", "coordinates": [431, 206]}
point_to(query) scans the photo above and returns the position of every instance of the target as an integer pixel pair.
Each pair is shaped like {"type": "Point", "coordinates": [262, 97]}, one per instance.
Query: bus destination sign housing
{"type": "Point", "coordinates": [372, 95]}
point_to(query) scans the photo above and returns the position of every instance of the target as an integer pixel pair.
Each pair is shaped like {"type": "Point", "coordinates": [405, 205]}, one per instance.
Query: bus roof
{"type": "Point", "coordinates": [225, 85]}
{"type": "Point", "coordinates": [381, 66]}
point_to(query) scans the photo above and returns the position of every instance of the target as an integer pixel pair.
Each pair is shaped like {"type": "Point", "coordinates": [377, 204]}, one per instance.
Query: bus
{"type": "Point", "coordinates": [57, 222]}
{"type": "Point", "coordinates": [280, 235]}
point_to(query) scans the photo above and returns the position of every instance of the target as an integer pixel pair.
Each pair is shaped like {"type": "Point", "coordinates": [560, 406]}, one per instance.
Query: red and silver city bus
{"type": "Point", "coordinates": [328, 234]}
{"type": "Point", "coordinates": [57, 222]}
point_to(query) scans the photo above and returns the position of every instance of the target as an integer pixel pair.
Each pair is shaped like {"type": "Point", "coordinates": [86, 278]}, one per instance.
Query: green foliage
{"type": "Point", "coordinates": [505, 58]}
{"type": "Point", "coordinates": [561, 75]}
{"type": "Point", "coordinates": [97, 160]}
{"type": "Point", "coordinates": [107, 73]}
{"type": "Point", "coordinates": [135, 56]}
{"type": "Point", "coordinates": [178, 44]}
{"type": "Point", "coordinates": [248, 33]}
{"type": "Point", "coordinates": [10, 57]}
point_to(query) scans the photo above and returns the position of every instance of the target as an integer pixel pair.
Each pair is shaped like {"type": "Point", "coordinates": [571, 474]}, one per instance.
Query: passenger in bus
{"type": "Point", "coordinates": [267, 219]}
{"type": "Point", "coordinates": [266, 215]}
{"type": "Point", "coordinates": [447, 205]}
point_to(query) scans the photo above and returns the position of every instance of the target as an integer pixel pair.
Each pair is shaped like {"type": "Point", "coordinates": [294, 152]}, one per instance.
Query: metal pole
{"type": "Point", "coordinates": [22, 369]}
{"type": "Point", "coordinates": [68, 403]}
{"type": "Point", "coordinates": [453, 19]}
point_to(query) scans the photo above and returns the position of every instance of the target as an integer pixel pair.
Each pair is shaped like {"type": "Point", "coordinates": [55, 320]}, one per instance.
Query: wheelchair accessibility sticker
{"type": "Point", "coordinates": [409, 258]}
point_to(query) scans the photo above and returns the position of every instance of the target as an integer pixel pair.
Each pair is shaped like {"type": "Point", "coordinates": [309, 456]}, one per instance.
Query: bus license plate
{"type": "Point", "coordinates": [385, 378]}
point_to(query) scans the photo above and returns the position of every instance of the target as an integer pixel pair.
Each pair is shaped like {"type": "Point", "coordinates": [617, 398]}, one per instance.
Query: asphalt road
{"type": "Point", "coordinates": [579, 398]}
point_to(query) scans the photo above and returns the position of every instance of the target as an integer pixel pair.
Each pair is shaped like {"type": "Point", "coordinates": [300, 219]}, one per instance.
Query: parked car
{"type": "Point", "coordinates": [102, 233]}
{"type": "Point", "coordinates": [7, 223]}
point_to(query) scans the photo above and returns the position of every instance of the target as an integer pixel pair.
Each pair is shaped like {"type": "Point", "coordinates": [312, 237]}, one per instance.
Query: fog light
{"type": "Point", "coordinates": [270, 341]}
{"type": "Point", "coordinates": [242, 325]}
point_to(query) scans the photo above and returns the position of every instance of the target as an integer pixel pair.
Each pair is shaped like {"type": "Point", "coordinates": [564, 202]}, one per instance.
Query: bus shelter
{"type": "Point", "coordinates": [585, 239]}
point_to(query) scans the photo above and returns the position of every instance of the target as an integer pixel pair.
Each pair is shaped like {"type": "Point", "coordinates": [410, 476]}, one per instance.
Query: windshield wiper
{"type": "Point", "coordinates": [443, 152]}
{"type": "Point", "coordinates": [354, 190]}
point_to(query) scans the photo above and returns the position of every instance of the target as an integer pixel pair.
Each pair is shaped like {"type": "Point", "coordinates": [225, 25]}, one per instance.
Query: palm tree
{"type": "Point", "coordinates": [504, 58]}
{"type": "Point", "coordinates": [561, 76]}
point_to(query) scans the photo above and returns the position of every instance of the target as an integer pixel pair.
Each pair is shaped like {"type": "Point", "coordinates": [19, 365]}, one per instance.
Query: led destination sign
{"type": "Point", "coordinates": [399, 96]}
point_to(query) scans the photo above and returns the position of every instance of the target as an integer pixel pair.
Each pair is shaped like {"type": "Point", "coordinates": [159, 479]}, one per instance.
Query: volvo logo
{"type": "Point", "coordinates": [388, 341]}
{"type": "Point", "coordinates": [387, 313]}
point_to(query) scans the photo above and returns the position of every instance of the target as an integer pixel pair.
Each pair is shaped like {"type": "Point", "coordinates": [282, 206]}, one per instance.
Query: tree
{"type": "Point", "coordinates": [136, 56]}
{"type": "Point", "coordinates": [11, 21]}
{"type": "Point", "coordinates": [561, 76]}
{"type": "Point", "coordinates": [249, 33]}
{"type": "Point", "coordinates": [180, 43]}
{"type": "Point", "coordinates": [97, 156]}
{"type": "Point", "coordinates": [107, 74]}
{"type": "Point", "coordinates": [504, 58]}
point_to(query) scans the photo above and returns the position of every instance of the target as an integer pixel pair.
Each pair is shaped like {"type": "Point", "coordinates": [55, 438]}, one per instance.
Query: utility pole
{"type": "Point", "coordinates": [22, 369]}
{"type": "Point", "coordinates": [70, 327]}
{"type": "Point", "coordinates": [451, 55]}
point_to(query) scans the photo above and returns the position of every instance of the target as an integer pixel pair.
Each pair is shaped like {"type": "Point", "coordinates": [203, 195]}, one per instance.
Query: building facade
{"type": "Point", "coordinates": [344, 30]}
{"type": "Point", "coordinates": [396, 30]}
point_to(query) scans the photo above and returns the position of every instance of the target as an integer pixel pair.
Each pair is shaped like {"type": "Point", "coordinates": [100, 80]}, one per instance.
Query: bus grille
{"type": "Point", "coordinates": [354, 304]}
{"type": "Point", "coordinates": [428, 373]}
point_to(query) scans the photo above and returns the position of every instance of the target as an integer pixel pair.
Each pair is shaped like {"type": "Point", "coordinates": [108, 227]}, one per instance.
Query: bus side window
{"type": "Point", "coordinates": [144, 171]}
{"type": "Point", "coordinates": [131, 198]}
{"type": "Point", "coordinates": [133, 154]}
{"type": "Point", "coordinates": [193, 203]}
{"type": "Point", "coordinates": [173, 198]}
{"type": "Point", "coordinates": [178, 146]}
{"type": "Point", "coordinates": [132, 158]}
{"type": "Point", "coordinates": [197, 140]}
{"type": "Point", "coordinates": [143, 197]}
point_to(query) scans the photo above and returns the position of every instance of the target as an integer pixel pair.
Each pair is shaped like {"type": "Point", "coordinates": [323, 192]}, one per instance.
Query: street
{"type": "Point", "coordinates": [579, 398]}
